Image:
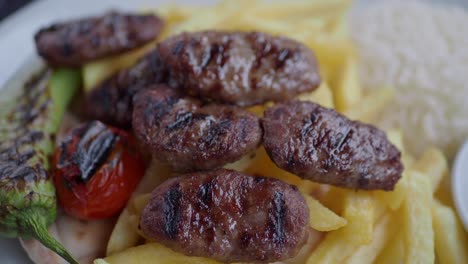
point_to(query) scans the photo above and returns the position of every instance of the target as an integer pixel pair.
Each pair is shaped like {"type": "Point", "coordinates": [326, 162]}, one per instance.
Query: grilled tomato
{"type": "Point", "coordinates": [96, 169]}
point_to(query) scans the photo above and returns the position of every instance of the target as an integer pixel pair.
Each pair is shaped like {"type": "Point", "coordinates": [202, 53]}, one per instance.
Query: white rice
{"type": "Point", "coordinates": [422, 51]}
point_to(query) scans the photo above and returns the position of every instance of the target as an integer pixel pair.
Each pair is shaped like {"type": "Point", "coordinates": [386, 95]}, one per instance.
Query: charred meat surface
{"type": "Point", "coordinates": [189, 136]}
{"type": "Point", "coordinates": [77, 42]}
{"type": "Point", "coordinates": [228, 216]}
{"type": "Point", "coordinates": [239, 68]}
{"type": "Point", "coordinates": [111, 101]}
{"type": "Point", "coordinates": [322, 145]}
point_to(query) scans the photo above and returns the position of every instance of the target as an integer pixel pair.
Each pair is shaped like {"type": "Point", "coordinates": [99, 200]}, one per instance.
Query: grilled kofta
{"type": "Point", "coordinates": [227, 216]}
{"type": "Point", "coordinates": [190, 136]}
{"type": "Point", "coordinates": [241, 68]}
{"type": "Point", "coordinates": [322, 145]}
{"type": "Point", "coordinates": [111, 100]}
{"type": "Point", "coordinates": [77, 42]}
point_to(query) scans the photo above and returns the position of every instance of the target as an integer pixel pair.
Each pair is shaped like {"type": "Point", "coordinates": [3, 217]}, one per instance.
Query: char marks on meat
{"type": "Point", "coordinates": [189, 136]}
{"type": "Point", "coordinates": [227, 216]}
{"type": "Point", "coordinates": [239, 67]}
{"type": "Point", "coordinates": [77, 42]}
{"type": "Point", "coordinates": [111, 100]}
{"type": "Point", "coordinates": [322, 145]}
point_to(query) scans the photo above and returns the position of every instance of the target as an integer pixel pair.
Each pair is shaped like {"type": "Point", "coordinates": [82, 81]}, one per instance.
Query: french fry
{"type": "Point", "coordinates": [333, 198]}
{"type": "Point", "coordinates": [339, 26]}
{"type": "Point", "coordinates": [218, 17]}
{"type": "Point", "coordinates": [367, 109]}
{"type": "Point", "coordinates": [173, 14]}
{"type": "Point", "coordinates": [95, 72]}
{"type": "Point", "coordinates": [125, 232]}
{"type": "Point", "coordinates": [241, 164]}
{"type": "Point", "coordinates": [257, 110]}
{"type": "Point", "coordinates": [276, 9]}
{"type": "Point", "coordinates": [262, 165]}
{"type": "Point", "coordinates": [152, 253]}
{"type": "Point", "coordinates": [433, 164]}
{"type": "Point", "coordinates": [155, 174]}
{"type": "Point", "coordinates": [341, 243]}
{"type": "Point", "coordinates": [444, 193]}
{"type": "Point", "coordinates": [395, 136]}
{"type": "Point", "coordinates": [394, 198]}
{"type": "Point", "coordinates": [359, 210]}
{"type": "Point", "coordinates": [249, 23]}
{"type": "Point", "coordinates": [347, 90]}
{"type": "Point", "coordinates": [383, 231]}
{"type": "Point", "coordinates": [322, 218]}
{"type": "Point", "coordinates": [419, 235]}
{"type": "Point", "coordinates": [139, 203]}
{"type": "Point", "coordinates": [393, 252]}
{"type": "Point", "coordinates": [451, 243]}
{"type": "Point", "coordinates": [322, 96]}
{"type": "Point", "coordinates": [380, 210]}
{"type": "Point", "coordinates": [329, 52]}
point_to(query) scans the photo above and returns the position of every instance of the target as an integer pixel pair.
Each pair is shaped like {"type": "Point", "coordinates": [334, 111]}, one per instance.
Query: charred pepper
{"type": "Point", "coordinates": [27, 130]}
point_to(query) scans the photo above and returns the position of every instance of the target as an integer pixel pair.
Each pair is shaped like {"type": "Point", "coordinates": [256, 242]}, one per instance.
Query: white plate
{"type": "Point", "coordinates": [460, 184]}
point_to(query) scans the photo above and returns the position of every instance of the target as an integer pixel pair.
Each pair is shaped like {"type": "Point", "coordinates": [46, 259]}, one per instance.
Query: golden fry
{"type": "Point", "coordinates": [347, 90]}
{"type": "Point", "coordinates": [96, 72]}
{"type": "Point", "coordinates": [395, 136]}
{"type": "Point", "coordinates": [371, 105]}
{"type": "Point", "coordinates": [322, 218]}
{"type": "Point", "coordinates": [125, 233]}
{"type": "Point", "coordinates": [341, 243]}
{"type": "Point", "coordinates": [139, 203]}
{"type": "Point", "coordinates": [333, 198]}
{"type": "Point", "coordinates": [393, 252]}
{"type": "Point", "coordinates": [451, 243]}
{"type": "Point", "coordinates": [322, 96]}
{"type": "Point", "coordinates": [329, 52]}
{"type": "Point", "coordinates": [434, 165]}
{"type": "Point", "coordinates": [276, 9]}
{"type": "Point", "coordinates": [263, 166]}
{"type": "Point", "coordinates": [444, 193]}
{"type": "Point", "coordinates": [242, 164]}
{"type": "Point", "coordinates": [384, 230]}
{"type": "Point", "coordinates": [419, 235]}
{"type": "Point", "coordinates": [395, 198]}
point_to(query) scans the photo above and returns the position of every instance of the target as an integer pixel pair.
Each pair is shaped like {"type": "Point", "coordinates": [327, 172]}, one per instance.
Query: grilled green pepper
{"type": "Point", "coordinates": [27, 131]}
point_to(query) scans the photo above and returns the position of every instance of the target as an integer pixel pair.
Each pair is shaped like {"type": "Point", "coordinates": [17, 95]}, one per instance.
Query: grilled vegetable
{"type": "Point", "coordinates": [96, 169]}
{"type": "Point", "coordinates": [27, 195]}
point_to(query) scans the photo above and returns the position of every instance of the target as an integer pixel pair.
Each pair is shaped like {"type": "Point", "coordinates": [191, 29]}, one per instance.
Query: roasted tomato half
{"type": "Point", "coordinates": [96, 169]}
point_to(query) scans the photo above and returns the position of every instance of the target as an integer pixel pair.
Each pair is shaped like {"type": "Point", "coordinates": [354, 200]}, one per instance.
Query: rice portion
{"type": "Point", "coordinates": [422, 51]}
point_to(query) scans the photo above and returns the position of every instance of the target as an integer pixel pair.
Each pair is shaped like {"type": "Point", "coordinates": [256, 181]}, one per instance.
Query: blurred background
{"type": "Point", "coordinates": [8, 7]}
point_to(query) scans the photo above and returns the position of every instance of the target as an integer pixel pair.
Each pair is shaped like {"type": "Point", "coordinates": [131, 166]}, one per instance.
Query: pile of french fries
{"type": "Point", "coordinates": [415, 223]}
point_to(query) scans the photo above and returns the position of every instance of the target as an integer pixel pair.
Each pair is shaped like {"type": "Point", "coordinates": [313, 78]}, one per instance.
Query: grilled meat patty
{"type": "Point", "coordinates": [322, 145]}
{"type": "Point", "coordinates": [239, 68]}
{"type": "Point", "coordinates": [227, 216]}
{"type": "Point", "coordinates": [77, 42]}
{"type": "Point", "coordinates": [189, 136]}
{"type": "Point", "coordinates": [111, 101]}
